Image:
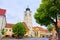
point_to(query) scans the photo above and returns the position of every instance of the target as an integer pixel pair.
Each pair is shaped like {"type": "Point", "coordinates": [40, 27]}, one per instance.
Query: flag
{"type": "Point", "coordinates": [2, 11]}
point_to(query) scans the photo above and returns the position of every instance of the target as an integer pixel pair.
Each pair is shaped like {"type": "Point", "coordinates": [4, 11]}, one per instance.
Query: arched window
{"type": "Point", "coordinates": [25, 14]}
{"type": "Point", "coordinates": [29, 14]}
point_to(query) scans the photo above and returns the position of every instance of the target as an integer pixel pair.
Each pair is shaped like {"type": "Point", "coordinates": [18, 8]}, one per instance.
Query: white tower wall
{"type": "Point", "coordinates": [2, 23]}
{"type": "Point", "coordinates": [28, 20]}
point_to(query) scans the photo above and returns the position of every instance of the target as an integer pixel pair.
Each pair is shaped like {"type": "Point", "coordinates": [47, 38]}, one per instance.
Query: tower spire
{"type": "Point", "coordinates": [27, 9]}
{"type": "Point", "coordinates": [27, 6]}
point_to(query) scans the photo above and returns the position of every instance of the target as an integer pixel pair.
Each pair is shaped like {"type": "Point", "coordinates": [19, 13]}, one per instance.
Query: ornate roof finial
{"type": "Point", "coordinates": [27, 9]}
{"type": "Point", "coordinates": [27, 6]}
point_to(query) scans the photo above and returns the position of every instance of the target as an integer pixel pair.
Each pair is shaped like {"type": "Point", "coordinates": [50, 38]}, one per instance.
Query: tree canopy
{"type": "Point", "coordinates": [3, 31]}
{"type": "Point", "coordinates": [49, 28]}
{"type": "Point", "coordinates": [47, 12]}
{"type": "Point", "coordinates": [19, 29]}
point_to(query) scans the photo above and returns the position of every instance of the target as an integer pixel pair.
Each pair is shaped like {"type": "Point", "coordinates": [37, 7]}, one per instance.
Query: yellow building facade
{"type": "Point", "coordinates": [8, 30]}
{"type": "Point", "coordinates": [40, 32]}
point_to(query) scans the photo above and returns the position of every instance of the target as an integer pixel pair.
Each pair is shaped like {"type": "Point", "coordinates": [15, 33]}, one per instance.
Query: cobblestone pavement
{"type": "Point", "coordinates": [27, 39]}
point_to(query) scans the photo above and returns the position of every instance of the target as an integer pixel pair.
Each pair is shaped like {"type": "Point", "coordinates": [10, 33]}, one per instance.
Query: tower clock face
{"type": "Point", "coordinates": [27, 14]}
{"type": "Point", "coordinates": [28, 11]}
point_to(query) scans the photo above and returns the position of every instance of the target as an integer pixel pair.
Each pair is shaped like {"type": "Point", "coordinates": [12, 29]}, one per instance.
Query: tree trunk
{"type": "Point", "coordinates": [56, 27]}
{"type": "Point", "coordinates": [18, 36]}
{"type": "Point", "coordinates": [58, 33]}
{"type": "Point", "coordinates": [58, 36]}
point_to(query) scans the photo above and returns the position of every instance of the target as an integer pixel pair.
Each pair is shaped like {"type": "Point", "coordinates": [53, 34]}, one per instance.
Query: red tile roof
{"type": "Point", "coordinates": [25, 25]}
{"type": "Point", "coordinates": [40, 28]}
{"type": "Point", "coordinates": [2, 11]}
{"type": "Point", "coordinates": [8, 25]}
{"type": "Point", "coordinates": [46, 30]}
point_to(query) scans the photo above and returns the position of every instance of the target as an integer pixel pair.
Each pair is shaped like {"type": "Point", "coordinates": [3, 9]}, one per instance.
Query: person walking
{"type": "Point", "coordinates": [44, 38]}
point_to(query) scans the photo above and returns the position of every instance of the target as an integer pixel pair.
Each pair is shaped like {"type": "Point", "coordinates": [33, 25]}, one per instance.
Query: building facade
{"type": "Point", "coordinates": [8, 30]}
{"type": "Point", "coordinates": [39, 32]}
{"type": "Point", "coordinates": [2, 20]}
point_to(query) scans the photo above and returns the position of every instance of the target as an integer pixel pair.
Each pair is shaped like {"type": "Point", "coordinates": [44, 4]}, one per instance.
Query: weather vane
{"type": "Point", "coordinates": [27, 6]}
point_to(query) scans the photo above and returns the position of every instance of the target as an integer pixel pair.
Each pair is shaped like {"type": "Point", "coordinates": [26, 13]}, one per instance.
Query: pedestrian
{"type": "Point", "coordinates": [50, 37]}
{"type": "Point", "coordinates": [44, 38]}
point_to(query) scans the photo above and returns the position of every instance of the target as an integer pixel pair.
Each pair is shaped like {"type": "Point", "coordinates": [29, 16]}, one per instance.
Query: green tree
{"type": "Point", "coordinates": [49, 28]}
{"type": "Point", "coordinates": [47, 13]}
{"type": "Point", "coordinates": [19, 29]}
{"type": "Point", "coordinates": [3, 31]}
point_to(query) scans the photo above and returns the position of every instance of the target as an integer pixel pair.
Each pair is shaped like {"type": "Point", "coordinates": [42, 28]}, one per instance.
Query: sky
{"type": "Point", "coordinates": [15, 9]}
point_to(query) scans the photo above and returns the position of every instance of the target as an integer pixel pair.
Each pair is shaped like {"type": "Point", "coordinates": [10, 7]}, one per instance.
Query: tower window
{"type": "Point", "coordinates": [10, 30]}
{"type": "Point", "coordinates": [29, 14]}
{"type": "Point", "coordinates": [25, 14]}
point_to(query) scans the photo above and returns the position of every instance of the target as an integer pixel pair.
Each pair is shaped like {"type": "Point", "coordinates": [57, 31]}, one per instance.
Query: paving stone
{"type": "Point", "coordinates": [27, 39]}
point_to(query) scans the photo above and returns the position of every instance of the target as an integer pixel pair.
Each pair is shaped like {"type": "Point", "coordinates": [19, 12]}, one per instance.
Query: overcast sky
{"type": "Point", "coordinates": [15, 9]}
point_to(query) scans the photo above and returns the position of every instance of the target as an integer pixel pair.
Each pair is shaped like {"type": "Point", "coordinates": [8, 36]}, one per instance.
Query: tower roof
{"type": "Point", "coordinates": [27, 9]}
{"type": "Point", "coordinates": [2, 11]}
